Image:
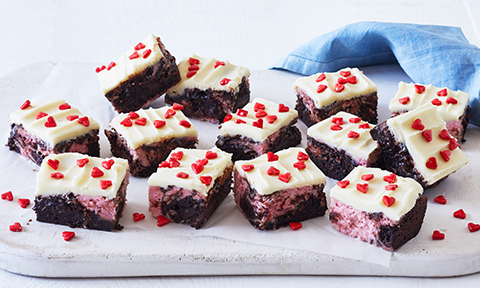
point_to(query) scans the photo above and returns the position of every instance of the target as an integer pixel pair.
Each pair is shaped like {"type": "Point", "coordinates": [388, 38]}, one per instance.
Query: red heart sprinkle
{"type": "Point", "coordinates": [159, 123]}
{"type": "Point", "coordinates": [56, 175]}
{"type": "Point", "coordinates": [453, 144]}
{"type": "Point", "coordinates": [16, 227]}
{"type": "Point", "coordinates": [25, 105]}
{"type": "Point", "coordinates": [442, 92]}
{"type": "Point", "coordinates": [271, 156]}
{"type": "Point", "coordinates": [367, 177]}
{"type": "Point", "coordinates": [177, 106]}
{"type": "Point", "coordinates": [295, 226]}
{"type": "Point", "coordinates": [64, 106]}
{"type": "Point", "coordinates": [68, 235]}
{"type": "Point", "coordinates": [104, 184]}
{"type": "Point", "coordinates": [353, 134]}
{"type": "Point", "coordinates": [261, 114]}
{"type": "Point", "coordinates": [391, 187]}
{"type": "Point", "coordinates": [82, 162]}
{"type": "Point", "coordinates": [242, 113]}
{"type": "Point", "coordinates": [258, 123]}
{"type": "Point", "coordinates": [431, 163]}
{"type": "Point", "coordinates": [96, 172]}
{"type": "Point", "coordinates": [343, 184]}
{"type": "Point", "coordinates": [419, 89]}
{"type": "Point", "coordinates": [345, 73]}
{"type": "Point", "coordinates": [146, 53]}
{"type": "Point", "coordinates": [182, 175]}
{"type": "Point", "coordinates": [342, 81]}
{"type": "Point", "coordinates": [339, 88]}
{"type": "Point", "coordinates": [185, 123]}
{"type": "Point", "coordinates": [337, 120]}
{"type": "Point", "coordinates": [126, 122]}
{"type": "Point", "coordinates": [459, 214]}
{"type": "Point", "coordinates": [300, 165]}
{"type": "Point", "coordinates": [271, 118]}
{"type": "Point", "coordinates": [302, 156]}
{"type": "Point", "coordinates": [173, 162]}
{"type": "Point", "coordinates": [224, 81]}
{"type": "Point", "coordinates": [336, 127]}
{"type": "Point", "coordinates": [362, 188]}
{"type": "Point", "coordinates": [84, 121]}
{"type": "Point", "coordinates": [239, 121]}
{"type": "Point", "coordinates": [437, 235]}
{"type": "Point", "coordinates": [272, 171]}
{"type": "Point", "coordinates": [191, 73]}
{"type": "Point", "coordinates": [352, 80]}
{"type": "Point", "coordinates": [389, 201]}
{"type": "Point", "coordinates": [133, 56]}
{"type": "Point", "coordinates": [440, 200]}
{"type": "Point", "coordinates": [41, 115]}
{"type": "Point", "coordinates": [227, 118]}
{"type": "Point", "coordinates": [203, 161]}
{"type": "Point", "coordinates": [258, 106]}
{"type": "Point", "coordinates": [72, 117]}
{"type": "Point", "coordinates": [111, 65]}
{"type": "Point", "coordinates": [137, 216]}
{"type": "Point", "coordinates": [164, 164]}
{"type": "Point", "coordinates": [436, 102]}
{"type": "Point", "coordinates": [364, 126]}
{"type": "Point", "coordinates": [472, 227]}
{"type": "Point", "coordinates": [53, 163]}
{"type": "Point", "coordinates": [282, 108]}
{"type": "Point", "coordinates": [197, 168]}
{"type": "Point", "coordinates": [404, 100]}
{"type": "Point", "coordinates": [141, 121]}
{"type": "Point", "coordinates": [162, 221]}
{"type": "Point", "coordinates": [451, 100]}
{"type": "Point", "coordinates": [107, 164]}
{"type": "Point", "coordinates": [445, 155]}
{"type": "Point", "coordinates": [7, 196]}
{"type": "Point", "coordinates": [417, 125]}
{"type": "Point", "coordinates": [23, 202]}
{"type": "Point", "coordinates": [218, 63]}
{"type": "Point", "coordinates": [354, 120]}
{"type": "Point", "coordinates": [206, 180]}
{"type": "Point", "coordinates": [169, 113]}
{"type": "Point", "coordinates": [133, 115]}
{"type": "Point", "coordinates": [211, 155]}
{"type": "Point", "coordinates": [98, 69]}
{"type": "Point", "coordinates": [320, 78]}
{"type": "Point", "coordinates": [285, 177]}
{"type": "Point", "coordinates": [177, 155]}
{"type": "Point", "coordinates": [193, 61]}
{"type": "Point", "coordinates": [444, 134]}
{"type": "Point", "coordinates": [390, 178]}
{"type": "Point", "coordinates": [139, 46]}
{"type": "Point", "coordinates": [427, 134]}
{"type": "Point", "coordinates": [247, 168]}
{"type": "Point", "coordinates": [321, 88]}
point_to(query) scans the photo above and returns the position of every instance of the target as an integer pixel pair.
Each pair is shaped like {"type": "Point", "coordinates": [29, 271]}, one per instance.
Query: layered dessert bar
{"type": "Point", "coordinates": [52, 127]}
{"type": "Point", "coordinates": [81, 191]}
{"type": "Point", "coordinates": [141, 75]}
{"type": "Point", "coordinates": [342, 142]}
{"type": "Point", "coordinates": [210, 89]}
{"type": "Point", "coordinates": [146, 137]}
{"type": "Point", "coordinates": [257, 128]}
{"type": "Point", "coordinates": [417, 145]}
{"type": "Point", "coordinates": [378, 207]}
{"type": "Point", "coordinates": [452, 105]}
{"type": "Point", "coordinates": [190, 185]}
{"type": "Point", "coordinates": [275, 189]}
{"type": "Point", "coordinates": [325, 94]}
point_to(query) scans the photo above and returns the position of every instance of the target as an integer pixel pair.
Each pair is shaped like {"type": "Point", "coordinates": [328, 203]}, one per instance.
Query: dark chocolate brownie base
{"type": "Point", "coordinates": [245, 148]}
{"type": "Point", "coordinates": [304, 206]}
{"type": "Point", "coordinates": [211, 105]}
{"type": "Point", "coordinates": [336, 163]}
{"type": "Point", "coordinates": [144, 160]}
{"type": "Point", "coordinates": [142, 88]}
{"type": "Point", "coordinates": [66, 209]}
{"type": "Point", "coordinates": [194, 209]}
{"type": "Point", "coordinates": [35, 149]}
{"type": "Point", "coordinates": [364, 107]}
{"type": "Point", "coordinates": [392, 237]}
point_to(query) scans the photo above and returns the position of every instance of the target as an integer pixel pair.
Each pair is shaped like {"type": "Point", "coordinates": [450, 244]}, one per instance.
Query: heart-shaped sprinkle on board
{"type": "Point", "coordinates": [355, 120]}
{"type": "Point", "coordinates": [437, 235]}
{"type": "Point", "coordinates": [242, 113]}
{"type": "Point", "coordinates": [247, 168]}
{"type": "Point", "coordinates": [300, 165]}
{"type": "Point", "coordinates": [41, 115]}
{"type": "Point", "coordinates": [285, 177]}
{"type": "Point", "coordinates": [460, 214]}
{"type": "Point", "coordinates": [64, 106]}
{"type": "Point", "coordinates": [50, 123]}
{"type": "Point", "coordinates": [419, 89]}
{"type": "Point", "coordinates": [139, 46]}
{"type": "Point", "coordinates": [133, 115]}
{"type": "Point", "coordinates": [442, 92]}
{"type": "Point", "coordinates": [444, 134]}
{"type": "Point", "coordinates": [272, 171]}
{"type": "Point", "coordinates": [282, 108]}
{"type": "Point", "coordinates": [258, 123]}
{"type": "Point", "coordinates": [84, 121]}
{"type": "Point", "coordinates": [162, 221]}
{"type": "Point", "coordinates": [436, 102]}
{"type": "Point", "coordinates": [134, 55]}
{"type": "Point", "coordinates": [271, 118]}
{"type": "Point", "coordinates": [343, 184]}
{"type": "Point", "coordinates": [193, 61]}
{"type": "Point", "coordinates": [451, 100]}
{"type": "Point", "coordinates": [126, 122]}
{"type": "Point", "coordinates": [336, 127]}
{"type": "Point", "coordinates": [390, 178]}
{"type": "Point", "coordinates": [224, 81]}
{"type": "Point", "coordinates": [16, 227]}
{"type": "Point", "coordinates": [258, 106]}
{"type": "Point", "coordinates": [146, 53]}
{"type": "Point", "coordinates": [453, 144]}
{"type": "Point", "coordinates": [440, 200]}
{"type": "Point", "coordinates": [389, 201]}
{"type": "Point", "coordinates": [352, 80]}
{"type": "Point", "coordinates": [104, 184]}
{"type": "Point", "coordinates": [82, 162]}
{"type": "Point", "coordinates": [206, 180]}
{"type": "Point", "coordinates": [342, 81]}
{"type": "Point", "coordinates": [404, 100]}
{"type": "Point", "coordinates": [362, 188]}
{"type": "Point", "coordinates": [111, 65]}
{"type": "Point", "coordinates": [197, 168]}
{"type": "Point", "coordinates": [302, 156]}
{"type": "Point", "coordinates": [211, 155]}
{"type": "Point", "coordinates": [72, 117]}
{"type": "Point", "coordinates": [345, 73]}
{"type": "Point", "coordinates": [218, 63]}
{"type": "Point", "coordinates": [68, 235]}
{"type": "Point", "coordinates": [169, 113]}
{"type": "Point", "coordinates": [417, 125]}
{"type": "Point", "coordinates": [25, 105]}
{"type": "Point", "coordinates": [190, 74]}
{"type": "Point", "coordinates": [142, 121]}
{"type": "Point", "coordinates": [96, 172]}
{"type": "Point", "coordinates": [193, 67]}
{"type": "Point", "coordinates": [107, 164]}
{"type": "Point", "coordinates": [320, 78]}
{"type": "Point", "coordinates": [295, 226]}
{"type": "Point", "coordinates": [271, 156]}
{"type": "Point", "coordinates": [137, 216]}
{"type": "Point", "coordinates": [472, 227]}
{"type": "Point", "coordinates": [321, 88]}
{"type": "Point", "coordinates": [353, 135]}
{"type": "Point", "coordinates": [391, 187]}
{"type": "Point", "coordinates": [23, 202]}
{"type": "Point", "coordinates": [445, 155]}
{"type": "Point", "coordinates": [164, 164]}
{"type": "Point", "coordinates": [427, 134]}
{"type": "Point", "coordinates": [177, 155]}
{"type": "Point", "coordinates": [98, 69]}
{"type": "Point", "coordinates": [339, 87]}
{"type": "Point", "coordinates": [431, 163]}
{"type": "Point", "coordinates": [337, 120]}
{"type": "Point", "coordinates": [56, 175]}
{"type": "Point", "coordinates": [185, 123]}
{"type": "Point", "coordinates": [7, 196]}
{"type": "Point", "coordinates": [239, 121]}
{"type": "Point", "coordinates": [53, 163]}
{"type": "Point", "coordinates": [261, 113]}
{"type": "Point", "coordinates": [227, 118]}
{"type": "Point", "coordinates": [177, 106]}
{"type": "Point", "coordinates": [174, 162]}
{"type": "Point", "coordinates": [159, 123]}
{"type": "Point", "coordinates": [182, 175]}
{"type": "Point", "coordinates": [367, 177]}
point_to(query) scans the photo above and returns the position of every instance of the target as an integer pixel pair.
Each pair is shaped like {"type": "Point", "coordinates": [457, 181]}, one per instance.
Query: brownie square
{"type": "Point", "coordinates": [325, 94]}
{"type": "Point", "coordinates": [210, 89]}
{"type": "Point", "coordinates": [273, 190]}
{"type": "Point", "coordinates": [141, 75]}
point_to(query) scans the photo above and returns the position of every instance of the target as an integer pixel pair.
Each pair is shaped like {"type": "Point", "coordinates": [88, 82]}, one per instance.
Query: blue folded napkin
{"type": "Point", "coordinates": [429, 54]}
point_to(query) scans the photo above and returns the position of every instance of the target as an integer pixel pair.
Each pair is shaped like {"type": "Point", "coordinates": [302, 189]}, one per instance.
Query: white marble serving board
{"type": "Point", "coordinates": [227, 244]}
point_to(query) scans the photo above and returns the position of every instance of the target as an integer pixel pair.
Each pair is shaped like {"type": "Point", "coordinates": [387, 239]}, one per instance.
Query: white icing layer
{"type": "Point", "coordinates": [310, 86]}
{"type": "Point", "coordinates": [79, 180]}
{"type": "Point", "coordinates": [420, 149]}
{"type": "Point", "coordinates": [214, 168]}
{"type": "Point", "coordinates": [253, 119]}
{"type": "Point", "coordinates": [124, 66]}
{"type": "Point", "coordinates": [209, 75]}
{"type": "Point", "coordinates": [406, 192]}
{"type": "Point", "coordinates": [64, 129]}
{"type": "Point", "coordinates": [445, 106]}
{"type": "Point", "coordinates": [137, 135]}
{"type": "Point", "coordinates": [266, 184]}
{"type": "Point", "coordinates": [360, 143]}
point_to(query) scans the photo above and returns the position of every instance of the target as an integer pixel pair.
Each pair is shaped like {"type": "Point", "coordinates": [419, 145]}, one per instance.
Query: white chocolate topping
{"type": "Point", "coordinates": [265, 184]}
{"type": "Point", "coordinates": [405, 191]}
{"type": "Point", "coordinates": [62, 128]}
{"type": "Point", "coordinates": [324, 96]}
{"type": "Point", "coordinates": [450, 104]}
{"type": "Point", "coordinates": [208, 74]}
{"type": "Point", "coordinates": [79, 180]}
{"type": "Point", "coordinates": [124, 66]}
{"type": "Point", "coordinates": [352, 135]}
{"type": "Point", "coordinates": [146, 134]}
{"type": "Point", "coordinates": [218, 161]}
{"type": "Point", "coordinates": [257, 123]}
{"type": "Point", "coordinates": [428, 153]}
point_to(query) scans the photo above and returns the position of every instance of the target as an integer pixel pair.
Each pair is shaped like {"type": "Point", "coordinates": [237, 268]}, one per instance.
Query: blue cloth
{"type": "Point", "coordinates": [437, 55]}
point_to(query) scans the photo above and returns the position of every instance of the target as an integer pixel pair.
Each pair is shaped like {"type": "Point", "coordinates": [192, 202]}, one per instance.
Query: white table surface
{"type": "Point", "coordinates": [253, 34]}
